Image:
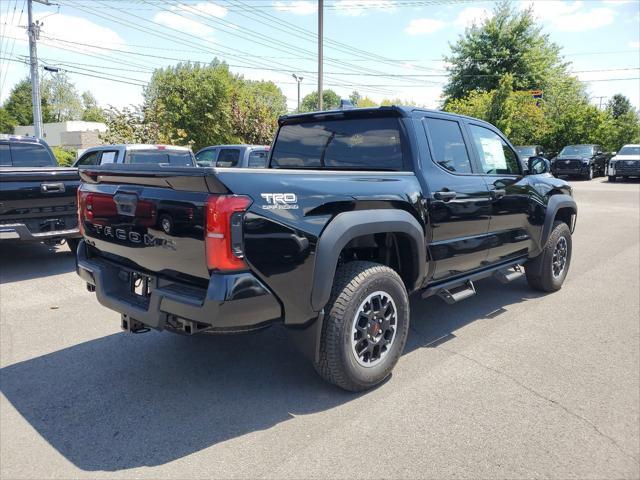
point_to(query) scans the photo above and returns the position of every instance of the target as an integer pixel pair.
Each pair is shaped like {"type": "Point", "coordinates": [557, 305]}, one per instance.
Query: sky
{"type": "Point", "coordinates": [382, 48]}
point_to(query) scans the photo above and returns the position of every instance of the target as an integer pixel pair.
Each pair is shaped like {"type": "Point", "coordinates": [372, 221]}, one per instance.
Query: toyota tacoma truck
{"type": "Point", "coordinates": [356, 210]}
{"type": "Point", "coordinates": [37, 198]}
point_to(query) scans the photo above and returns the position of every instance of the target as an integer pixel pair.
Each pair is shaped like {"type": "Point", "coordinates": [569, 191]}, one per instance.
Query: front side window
{"type": "Point", "coordinates": [228, 158]}
{"type": "Point", "coordinates": [89, 159]}
{"type": "Point", "coordinates": [258, 159]}
{"type": "Point", "coordinates": [30, 155]}
{"type": "Point", "coordinates": [496, 157]}
{"type": "Point", "coordinates": [348, 144]}
{"type": "Point", "coordinates": [447, 145]}
{"type": "Point", "coordinates": [206, 157]}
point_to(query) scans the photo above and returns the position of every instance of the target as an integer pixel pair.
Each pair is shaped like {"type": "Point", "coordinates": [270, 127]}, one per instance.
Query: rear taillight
{"type": "Point", "coordinates": [80, 205]}
{"type": "Point", "coordinates": [223, 235]}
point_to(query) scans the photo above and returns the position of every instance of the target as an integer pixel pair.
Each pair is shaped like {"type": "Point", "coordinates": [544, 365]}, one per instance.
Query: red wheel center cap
{"type": "Point", "coordinates": [375, 329]}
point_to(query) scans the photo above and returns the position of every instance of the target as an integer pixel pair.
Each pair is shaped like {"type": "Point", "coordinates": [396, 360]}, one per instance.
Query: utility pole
{"type": "Point", "coordinates": [299, 80]}
{"type": "Point", "coordinates": [34, 34]}
{"type": "Point", "coordinates": [320, 35]}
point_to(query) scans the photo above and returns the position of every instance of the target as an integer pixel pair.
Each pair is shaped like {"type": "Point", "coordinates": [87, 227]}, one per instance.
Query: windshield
{"type": "Point", "coordinates": [629, 151]}
{"type": "Point", "coordinates": [526, 151]}
{"type": "Point", "coordinates": [172, 157]}
{"type": "Point", "coordinates": [582, 150]}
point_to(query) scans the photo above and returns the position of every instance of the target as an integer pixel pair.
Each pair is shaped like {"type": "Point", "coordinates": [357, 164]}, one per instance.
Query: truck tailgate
{"type": "Point", "coordinates": [42, 198]}
{"type": "Point", "coordinates": [152, 219]}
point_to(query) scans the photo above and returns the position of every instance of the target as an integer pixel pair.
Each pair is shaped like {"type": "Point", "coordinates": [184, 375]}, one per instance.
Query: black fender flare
{"type": "Point", "coordinates": [349, 225]}
{"type": "Point", "coordinates": [556, 202]}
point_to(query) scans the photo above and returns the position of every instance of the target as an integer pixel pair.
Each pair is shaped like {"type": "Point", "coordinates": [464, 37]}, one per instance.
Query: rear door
{"type": "Point", "coordinates": [459, 204]}
{"type": "Point", "coordinates": [509, 192]}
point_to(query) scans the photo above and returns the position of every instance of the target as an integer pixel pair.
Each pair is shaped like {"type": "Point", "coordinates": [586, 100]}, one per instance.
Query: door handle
{"type": "Point", "coordinates": [52, 187]}
{"type": "Point", "coordinates": [498, 193]}
{"type": "Point", "coordinates": [444, 195]}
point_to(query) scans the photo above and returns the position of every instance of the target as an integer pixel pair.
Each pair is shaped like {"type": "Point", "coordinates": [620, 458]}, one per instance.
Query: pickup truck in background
{"type": "Point", "coordinates": [356, 210]}
{"type": "Point", "coordinates": [586, 161]}
{"type": "Point", "coordinates": [233, 156]}
{"type": "Point", "coordinates": [37, 198]}
{"type": "Point", "coordinates": [137, 153]}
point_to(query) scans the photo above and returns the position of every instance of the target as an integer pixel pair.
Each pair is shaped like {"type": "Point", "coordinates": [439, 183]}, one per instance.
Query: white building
{"type": "Point", "coordinates": [75, 134]}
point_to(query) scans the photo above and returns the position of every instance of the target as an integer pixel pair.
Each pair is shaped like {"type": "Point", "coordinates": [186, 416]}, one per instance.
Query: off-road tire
{"type": "Point", "coordinates": [539, 270]}
{"type": "Point", "coordinates": [612, 178]}
{"type": "Point", "coordinates": [353, 283]}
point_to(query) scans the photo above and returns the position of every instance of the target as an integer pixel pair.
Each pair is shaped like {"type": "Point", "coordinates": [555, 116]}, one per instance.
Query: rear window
{"type": "Point", "coordinates": [31, 155]}
{"type": "Point", "coordinates": [351, 144]}
{"type": "Point", "coordinates": [172, 157]}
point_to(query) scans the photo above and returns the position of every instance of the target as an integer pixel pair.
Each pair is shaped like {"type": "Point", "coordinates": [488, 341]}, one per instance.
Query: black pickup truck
{"type": "Point", "coordinates": [357, 209]}
{"type": "Point", "coordinates": [37, 198]}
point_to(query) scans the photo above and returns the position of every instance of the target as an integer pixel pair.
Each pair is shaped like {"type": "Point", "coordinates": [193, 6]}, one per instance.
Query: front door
{"type": "Point", "coordinates": [458, 202]}
{"type": "Point", "coordinates": [509, 192]}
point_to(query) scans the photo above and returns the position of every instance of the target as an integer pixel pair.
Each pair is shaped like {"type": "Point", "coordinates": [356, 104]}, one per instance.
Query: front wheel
{"type": "Point", "coordinates": [366, 328]}
{"type": "Point", "coordinates": [589, 174]}
{"type": "Point", "coordinates": [547, 271]}
{"type": "Point", "coordinates": [612, 178]}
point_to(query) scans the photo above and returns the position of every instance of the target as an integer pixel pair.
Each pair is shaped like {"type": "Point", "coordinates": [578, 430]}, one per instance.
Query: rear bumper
{"type": "Point", "coordinates": [19, 231]}
{"type": "Point", "coordinates": [230, 303]}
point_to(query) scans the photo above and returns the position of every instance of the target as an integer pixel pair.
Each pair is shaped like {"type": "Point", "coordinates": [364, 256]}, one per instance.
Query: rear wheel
{"type": "Point", "coordinates": [366, 328]}
{"type": "Point", "coordinates": [547, 271]}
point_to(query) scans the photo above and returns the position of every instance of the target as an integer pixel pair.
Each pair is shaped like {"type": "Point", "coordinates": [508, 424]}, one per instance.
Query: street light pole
{"type": "Point", "coordinates": [299, 81]}
{"type": "Point", "coordinates": [320, 35]}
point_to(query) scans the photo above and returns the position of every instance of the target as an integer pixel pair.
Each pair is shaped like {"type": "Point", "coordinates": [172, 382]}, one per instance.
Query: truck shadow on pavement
{"type": "Point", "coordinates": [27, 260]}
{"type": "Point", "coordinates": [126, 401]}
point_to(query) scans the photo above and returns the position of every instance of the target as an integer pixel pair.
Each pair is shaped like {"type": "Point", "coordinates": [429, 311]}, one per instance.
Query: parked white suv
{"type": "Point", "coordinates": [625, 163]}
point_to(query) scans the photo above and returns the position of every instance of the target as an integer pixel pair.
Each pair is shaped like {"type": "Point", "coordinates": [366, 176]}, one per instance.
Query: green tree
{"type": "Point", "coordinates": [191, 104]}
{"type": "Point", "coordinates": [128, 125]}
{"type": "Point", "coordinates": [92, 112]}
{"type": "Point", "coordinates": [64, 156]}
{"type": "Point", "coordinates": [330, 101]}
{"type": "Point", "coordinates": [255, 108]}
{"type": "Point", "coordinates": [511, 42]}
{"type": "Point", "coordinates": [619, 105]}
{"type": "Point", "coordinates": [19, 105]}
{"type": "Point", "coordinates": [64, 101]}
{"type": "Point", "coordinates": [7, 122]}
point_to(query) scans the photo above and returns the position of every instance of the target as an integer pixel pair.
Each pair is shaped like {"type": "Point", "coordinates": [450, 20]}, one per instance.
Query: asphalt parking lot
{"type": "Point", "coordinates": [507, 384]}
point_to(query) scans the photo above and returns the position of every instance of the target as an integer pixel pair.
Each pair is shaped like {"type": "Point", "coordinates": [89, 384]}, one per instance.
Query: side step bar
{"type": "Point", "coordinates": [458, 294]}
{"type": "Point", "coordinates": [455, 290]}
{"type": "Point", "coordinates": [508, 275]}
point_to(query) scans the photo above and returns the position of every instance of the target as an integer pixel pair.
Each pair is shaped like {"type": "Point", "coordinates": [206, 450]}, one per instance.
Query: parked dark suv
{"type": "Point", "coordinates": [586, 161]}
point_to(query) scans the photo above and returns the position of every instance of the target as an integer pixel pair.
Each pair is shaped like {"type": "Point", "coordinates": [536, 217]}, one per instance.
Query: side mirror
{"type": "Point", "coordinates": [599, 152]}
{"type": "Point", "coordinates": [539, 165]}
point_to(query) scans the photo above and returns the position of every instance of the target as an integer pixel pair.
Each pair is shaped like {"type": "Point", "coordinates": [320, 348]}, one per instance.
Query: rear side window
{"type": "Point", "coordinates": [228, 157]}
{"type": "Point", "coordinates": [30, 155]}
{"type": "Point", "coordinates": [174, 158]}
{"type": "Point", "coordinates": [258, 159]}
{"type": "Point", "coordinates": [5, 155]}
{"type": "Point", "coordinates": [447, 145]}
{"type": "Point", "coordinates": [350, 144]}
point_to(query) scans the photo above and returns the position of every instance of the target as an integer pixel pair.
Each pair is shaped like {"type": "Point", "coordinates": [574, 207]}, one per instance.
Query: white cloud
{"type": "Point", "coordinates": [297, 7]}
{"type": "Point", "coordinates": [208, 8]}
{"type": "Point", "coordinates": [472, 15]}
{"type": "Point", "coordinates": [618, 2]}
{"type": "Point", "coordinates": [572, 16]}
{"type": "Point", "coordinates": [635, 45]}
{"type": "Point", "coordinates": [178, 22]}
{"type": "Point", "coordinates": [422, 26]}
{"type": "Point", "coordinates": [356, 8]}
